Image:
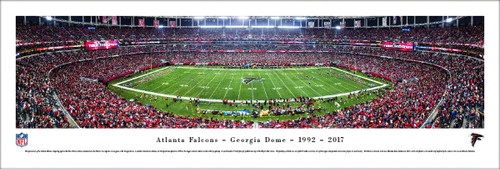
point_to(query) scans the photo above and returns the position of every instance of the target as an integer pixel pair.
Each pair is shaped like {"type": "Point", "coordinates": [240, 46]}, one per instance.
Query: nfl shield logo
{"type": "Point", "coordinates": [21, 139]}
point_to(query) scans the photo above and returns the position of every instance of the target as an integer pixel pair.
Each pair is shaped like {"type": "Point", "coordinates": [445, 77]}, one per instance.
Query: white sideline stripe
{"type": "Point", "coordinates": [339, 78]}
{"type": "Point", "coordinates": [359, 76]}
{"type": "Point", "coordinates": [259, 101]}
{"type": "Point", "coordinates": [140, 76]}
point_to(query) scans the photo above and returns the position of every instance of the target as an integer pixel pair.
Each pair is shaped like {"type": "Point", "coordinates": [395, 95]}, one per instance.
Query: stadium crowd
{"type": "Point", "coordinates": [465, 34]}
{"type": "Point", "coordinates": [417, 90]}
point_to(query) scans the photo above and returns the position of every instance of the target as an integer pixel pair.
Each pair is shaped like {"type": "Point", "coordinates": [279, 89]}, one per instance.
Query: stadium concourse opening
{"type": "Point", "coordinates": [250, 72]}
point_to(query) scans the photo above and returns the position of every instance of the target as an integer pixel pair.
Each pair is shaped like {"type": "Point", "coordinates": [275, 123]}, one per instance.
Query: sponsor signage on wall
{"type": "Point", "coordinates": [101, 45]}
{"type": "Point", "coordinates": [397, 46]}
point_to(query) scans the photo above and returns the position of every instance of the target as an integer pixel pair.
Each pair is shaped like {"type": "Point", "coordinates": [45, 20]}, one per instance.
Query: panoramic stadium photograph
{"type": "Point", "coordinates": [239, 72]}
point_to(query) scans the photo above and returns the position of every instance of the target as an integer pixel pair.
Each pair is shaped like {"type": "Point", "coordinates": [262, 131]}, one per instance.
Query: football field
{"type": "Point", "coordinates": [217, 84]}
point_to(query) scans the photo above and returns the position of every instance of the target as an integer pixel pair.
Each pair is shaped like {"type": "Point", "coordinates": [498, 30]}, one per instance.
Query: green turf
{"type": "Point", "coordinates": [210, 83]}
{"type": "Point", "coordinates": [276, 83]}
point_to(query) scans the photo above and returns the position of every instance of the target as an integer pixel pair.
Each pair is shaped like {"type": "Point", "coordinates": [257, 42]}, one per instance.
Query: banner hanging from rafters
{"type": "Point", "coordinates": [172, 24]}
{"type": "Point", "coordinates": [310, 24]}
{"type": "Point", "coordinates": [327, 24]}
{"type": "Point", "coordinates": [141, 22]}
{"type": "Point", "coordinates": [156, 23]}
{"type": "Point", "coordinates": [114, 20]}
{"type": "Point", "coordinates": [357, 24]}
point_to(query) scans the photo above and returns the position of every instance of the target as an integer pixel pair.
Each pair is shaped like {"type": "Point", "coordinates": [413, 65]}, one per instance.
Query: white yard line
{"type": "Point", "coordinates": [305, 94]}
{"type": "Point", "coordinates": [239, 91]}
{"type": "Point", "coordinates": [271, 79]}
{"type": "Point", "coordinates": [160, 85]}
{"type": "Point", "coordinates": [194, 85]}
{"type": "Point", "coordinates": [284, 84]}
{"type": "Point", "coordinates": [262, 82]}
{"type": "Point", "coordinates": [355, 83]}
{"type": "Point", "coordinates": [227, 90]}
{"type": "Point", "coordinates": [251, 83]}
{"type": "Point", "coordinates": [305, 84]}
{"type": "Point", "coordinates": [252, 90]}
{"type": "Point", "coordinates": [344, 79]}
{"type": "Point", "coordinates": [207, 84]}
{"type": "Point", "coordinates": [172, 85]}
{"type": "Point", "coordinates": [332, 82]}
{"type": "Point", "coordinates": [329, 84]}
{"type": "Point", "coordinates": [217, 86]}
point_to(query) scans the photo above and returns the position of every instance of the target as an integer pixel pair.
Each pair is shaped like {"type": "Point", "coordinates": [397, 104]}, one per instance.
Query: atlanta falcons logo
{"type": "Point", "coordinates": [248, 80]}
{"type": "Point", "coordinates": [475, 137]}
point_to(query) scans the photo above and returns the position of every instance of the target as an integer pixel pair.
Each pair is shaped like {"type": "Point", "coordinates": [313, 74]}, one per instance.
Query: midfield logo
{"type": "Point", "coordinates": [248, 80]}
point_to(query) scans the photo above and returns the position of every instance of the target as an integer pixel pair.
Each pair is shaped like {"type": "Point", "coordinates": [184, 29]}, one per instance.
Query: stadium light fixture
{"type": "Point", "coordinates": [242, 17]}
{"type": "Point", "coordinates": [288, 27]}
{"type": "Point", "coordinates": [222, 17]}
{"type": "Point", "coordinates": [275, 17]}
{"type": "Point", "coordinates": [210, 26]}
{"type": "Point", "coordinates": [49, 18]}
{"type": "Point", "coordinates": [161, 26]}
{"type": "Point", "coordinates": [449, 19]}
{"type": "Point", "coordinates": [237, 26]}
{"type": "Point", "coordinates": [338, 27]}
{"type": "Point", "coordinates": [263, 26]}
{"type": "Point", "coordinates": [300, 18]}
{"type": "Point", "coordinates": [199, 17]}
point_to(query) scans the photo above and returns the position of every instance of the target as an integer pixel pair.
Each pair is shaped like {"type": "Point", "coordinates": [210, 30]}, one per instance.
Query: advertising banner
{"type": "Point", "coordinates": [101, 45]}
{"type": "Point", "coordinates": [384, 21]}
{"type": "Point", "coordinates": [104, 19]}
{"type": "Point", "coordinates": [397, 46]}
{"type": "Point", "coordinates": [114, 20]}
